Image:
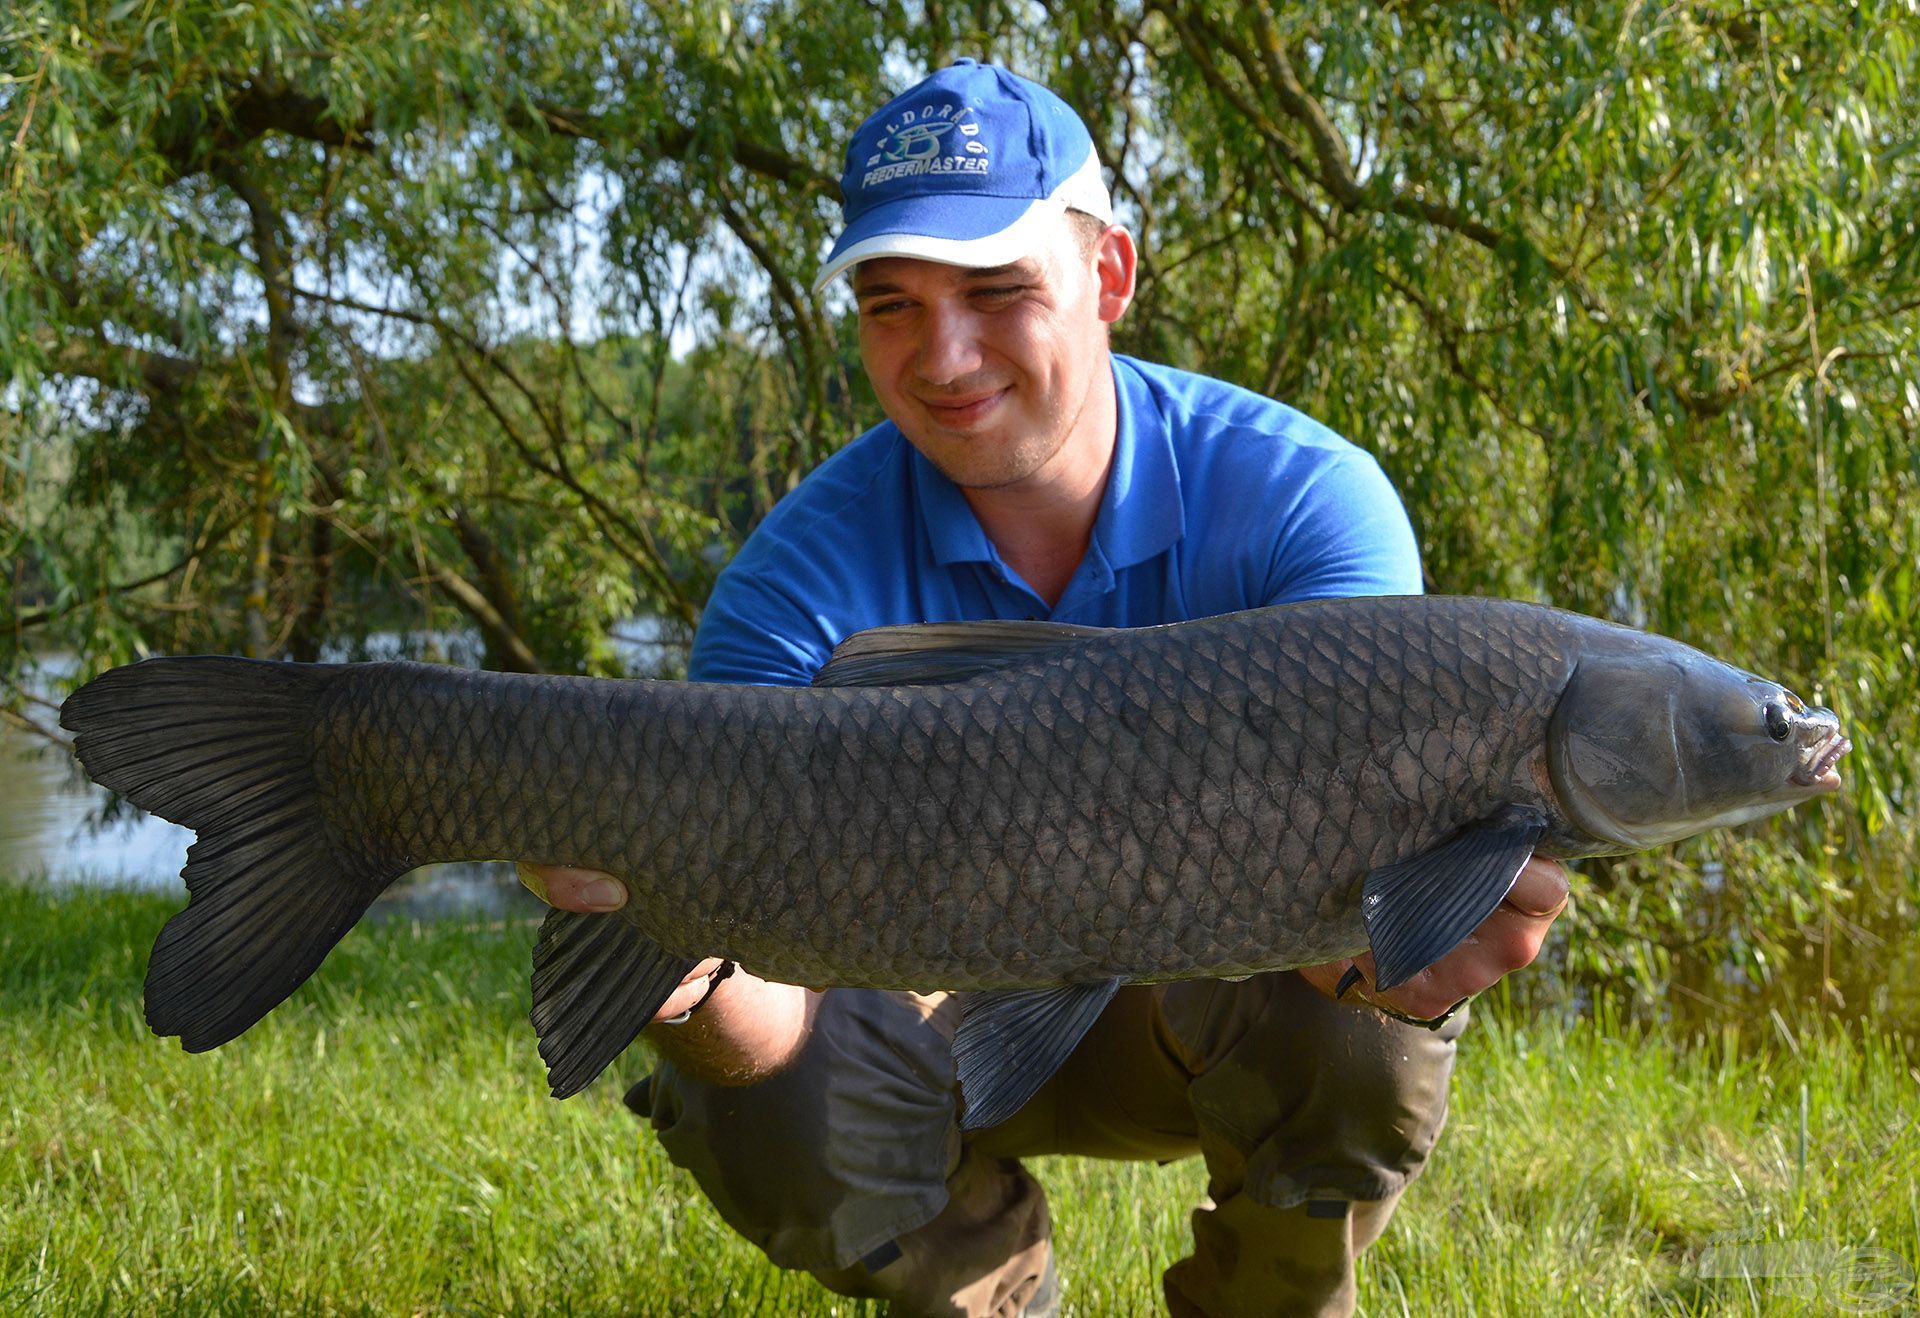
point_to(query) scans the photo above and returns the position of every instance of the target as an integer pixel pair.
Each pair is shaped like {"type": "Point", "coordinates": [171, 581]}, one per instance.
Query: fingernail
{"type": "Point", "coordinates": [530, 880]}
{"type": "Point", "coordinates": [603, 895]}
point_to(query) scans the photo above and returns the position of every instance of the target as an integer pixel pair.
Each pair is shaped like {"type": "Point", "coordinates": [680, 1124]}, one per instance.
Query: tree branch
{"type": "Point", "coordinates": [671, 140]}
{"type": "Point", "coordinates": [206, 538]}
{"type": "Point", "coordinates": [1449, 336]}
{"type": "Point", "coordinates": [1330, 148]}
{"type": "Point", "coordinates": [506, 643]}
{"type": "Point", "coordinates": [241, 112]}
{"type": "Point", "coordinates": [276, 280]}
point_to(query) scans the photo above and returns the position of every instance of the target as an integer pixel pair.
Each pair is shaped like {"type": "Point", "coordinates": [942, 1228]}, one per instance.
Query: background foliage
{"type": "Point", "coordinates": [489, 318]}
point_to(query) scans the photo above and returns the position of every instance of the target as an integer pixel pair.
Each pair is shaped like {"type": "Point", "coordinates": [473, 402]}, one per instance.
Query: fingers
{"type": "Point", "coordinates": [1506, 940]}
{"type": "Point", "coordinates": [692, 991]}
{"type": "Point", "coordinates": [588, 892]}
{"type": "Point", "coordinates": [1541, 889]}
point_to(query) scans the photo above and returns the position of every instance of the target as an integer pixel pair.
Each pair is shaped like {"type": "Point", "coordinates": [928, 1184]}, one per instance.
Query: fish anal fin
{"type": "Point", "coordinates": [597, 982]}
{"type": "Point", "coordinates": [1010, 1042]}
{"type": "Point", "coordinates": [1419, 909]}
{"type": "Point", "coordinates": [932, 653]}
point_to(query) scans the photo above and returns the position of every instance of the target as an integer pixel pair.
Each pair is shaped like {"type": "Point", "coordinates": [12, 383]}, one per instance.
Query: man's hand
{"type": "Point", "coordinates": [590, 892]}
{"type": "Point", "coordinates": [1506, 940]}
{"type": "Point", "coordinates": [747, 1030]}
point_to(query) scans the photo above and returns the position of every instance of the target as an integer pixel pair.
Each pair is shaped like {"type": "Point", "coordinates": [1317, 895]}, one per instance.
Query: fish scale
{"type": "Point", "coordinates": [1166, 831]}
{"type": "Point", "coordinates": [1013, 807]}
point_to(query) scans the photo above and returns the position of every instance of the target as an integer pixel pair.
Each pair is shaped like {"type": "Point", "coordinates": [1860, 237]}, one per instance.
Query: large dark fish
{"type": "Point", "coordinates": [1034, 807]}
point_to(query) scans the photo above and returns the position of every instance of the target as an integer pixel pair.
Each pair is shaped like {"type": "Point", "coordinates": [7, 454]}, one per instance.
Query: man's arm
{"type": "Point", "coordinates": [746, 1029]}
{"type": "Point", "coordinates": [1348, 536]}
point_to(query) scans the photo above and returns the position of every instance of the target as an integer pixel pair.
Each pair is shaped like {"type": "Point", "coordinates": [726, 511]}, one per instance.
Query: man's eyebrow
{"type": "Point", "coordinates": [1018, 268]}
{"type": "Point", "coordinates": [1025, 268]}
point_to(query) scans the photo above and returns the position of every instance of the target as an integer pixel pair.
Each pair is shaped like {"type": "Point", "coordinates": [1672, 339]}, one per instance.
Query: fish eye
{"type": "Point", "coordinates": [1777, 725]}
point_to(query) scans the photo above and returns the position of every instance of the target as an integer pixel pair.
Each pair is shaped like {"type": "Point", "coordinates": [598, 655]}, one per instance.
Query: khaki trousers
{"type": "Point", "coordinates": [1312, 1117]}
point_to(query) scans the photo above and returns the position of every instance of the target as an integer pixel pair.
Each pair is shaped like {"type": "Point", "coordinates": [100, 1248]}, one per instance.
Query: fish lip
{"type": "Point", "coordinates": [1818, 772]}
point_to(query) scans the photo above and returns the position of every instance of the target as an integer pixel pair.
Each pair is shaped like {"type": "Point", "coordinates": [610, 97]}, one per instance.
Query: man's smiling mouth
{"type": "Point", "coordinates": [968, 408]}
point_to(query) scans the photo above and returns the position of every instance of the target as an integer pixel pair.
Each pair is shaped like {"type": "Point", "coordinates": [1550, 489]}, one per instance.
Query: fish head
{"type": "Point", "coordinates": [1663, 742]}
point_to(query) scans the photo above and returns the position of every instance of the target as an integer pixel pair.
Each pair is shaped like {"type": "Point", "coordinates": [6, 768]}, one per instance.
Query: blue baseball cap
{"type": "Point", "coordinates": [969, 167]}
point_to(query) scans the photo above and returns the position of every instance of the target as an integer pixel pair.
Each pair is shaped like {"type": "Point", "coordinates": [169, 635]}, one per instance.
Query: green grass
{"type": "Point", "coordinates": [383, 1143]}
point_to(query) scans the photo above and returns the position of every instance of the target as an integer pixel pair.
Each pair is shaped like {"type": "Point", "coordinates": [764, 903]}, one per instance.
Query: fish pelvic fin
{"type": "Point", "coordinates": [1421, 908]}
{"type": "Point", "coordinates": [597, 982]}
{"type": "Point", "coordinates": [221, 746]}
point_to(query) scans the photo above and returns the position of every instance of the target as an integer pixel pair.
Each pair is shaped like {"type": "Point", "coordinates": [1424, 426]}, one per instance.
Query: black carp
{"type": "Point", "coordinates": [1038, 810]}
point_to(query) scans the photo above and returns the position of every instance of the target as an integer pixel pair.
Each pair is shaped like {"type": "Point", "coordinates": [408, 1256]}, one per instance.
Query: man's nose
{"type": "Point", "coordinates": [949, 346]}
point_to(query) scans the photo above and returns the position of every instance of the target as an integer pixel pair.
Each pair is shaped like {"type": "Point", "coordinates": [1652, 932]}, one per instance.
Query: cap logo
{"type": "Point", "coordinates": [931, 138]}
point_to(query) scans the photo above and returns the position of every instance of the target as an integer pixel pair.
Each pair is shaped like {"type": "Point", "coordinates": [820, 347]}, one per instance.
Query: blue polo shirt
{"type": "Point", "coordinates": [1219, 499]}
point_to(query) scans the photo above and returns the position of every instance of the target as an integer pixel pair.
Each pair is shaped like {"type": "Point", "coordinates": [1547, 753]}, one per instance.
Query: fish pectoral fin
{"type": "Point", "coordinates": [932, 653]}
{"type": "Point", "coordinates": [597, 982]}
{"type": "Point", "coordinates": [1419, 909]}
{"type": "Point", "coordinates": [1010, 1043]}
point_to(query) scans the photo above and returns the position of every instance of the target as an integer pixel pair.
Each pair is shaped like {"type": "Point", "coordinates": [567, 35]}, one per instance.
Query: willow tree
{"type": "Point", "coordinates": [385, 300]}
{"type": "Point", "coordinates": [494, 317]}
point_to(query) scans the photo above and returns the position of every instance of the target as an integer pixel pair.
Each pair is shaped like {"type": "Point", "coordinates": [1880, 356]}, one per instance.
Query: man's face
{"type": "Point", "coordinates": [987, 372]}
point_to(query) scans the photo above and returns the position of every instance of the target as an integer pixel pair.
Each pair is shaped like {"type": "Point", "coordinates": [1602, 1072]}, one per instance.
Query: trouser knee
{"type": "Point", "coordinates": [1313, 1117]}
{"type": "Point", "coordinates": [823, 1165]}
{"type": "Point", "coordinates": [1297, 1097]}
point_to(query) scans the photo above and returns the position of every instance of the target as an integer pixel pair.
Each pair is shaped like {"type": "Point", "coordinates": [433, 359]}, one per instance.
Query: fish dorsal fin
{"type": "Point", "coordinates": [931, 653]}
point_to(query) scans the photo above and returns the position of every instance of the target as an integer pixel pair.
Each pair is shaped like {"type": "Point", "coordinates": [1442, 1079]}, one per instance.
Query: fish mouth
{"type": "Point", "coordinates": [1818, 772]}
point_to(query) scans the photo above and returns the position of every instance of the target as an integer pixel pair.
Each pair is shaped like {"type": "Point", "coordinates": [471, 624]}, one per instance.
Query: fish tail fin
{"type": "Point", "coordinates": [223, 746]}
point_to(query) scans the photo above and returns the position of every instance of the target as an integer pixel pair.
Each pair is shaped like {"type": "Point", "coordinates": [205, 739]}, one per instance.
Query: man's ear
{"type": "Point", "coordinates": [1113, 265]}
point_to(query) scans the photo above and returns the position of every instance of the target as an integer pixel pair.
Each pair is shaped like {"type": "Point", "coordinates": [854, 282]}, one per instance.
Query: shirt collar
{"type": "Point", "coordinates": [1141, 513]}
{"type": "Point", "coordinates": [952, 530]}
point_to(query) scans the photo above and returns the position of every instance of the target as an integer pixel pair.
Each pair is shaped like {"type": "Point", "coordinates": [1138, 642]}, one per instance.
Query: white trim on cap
{"type": "Point", "coordinates": [1082, 190]}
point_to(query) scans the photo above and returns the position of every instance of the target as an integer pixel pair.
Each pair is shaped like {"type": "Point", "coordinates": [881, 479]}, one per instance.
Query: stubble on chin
{"type": "Point", "coordinates": [963, 457]}
{"type": "Point", "coordinates": [966, 463]}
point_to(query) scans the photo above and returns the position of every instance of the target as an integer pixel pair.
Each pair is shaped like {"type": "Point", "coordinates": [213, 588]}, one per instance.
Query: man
{"type": "Point", "coordinates": [1025, 471]}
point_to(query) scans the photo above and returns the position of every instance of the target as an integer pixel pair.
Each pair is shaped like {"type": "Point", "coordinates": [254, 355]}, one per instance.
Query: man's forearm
{"type": "Point", "coordinates": [748, 1030]}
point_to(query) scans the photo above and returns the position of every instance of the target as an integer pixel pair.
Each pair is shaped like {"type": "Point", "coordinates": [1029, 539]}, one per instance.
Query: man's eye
{"type": "Point", "coordinates": [882, 308]}
{"type": "Point", "coordinates": [999, 293]}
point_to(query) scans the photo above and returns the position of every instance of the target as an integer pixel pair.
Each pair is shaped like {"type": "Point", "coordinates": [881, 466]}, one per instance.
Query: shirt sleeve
{"type": "Point", "coordinates": [1348, 534]}
{"type": "Point", "coordinates": [755, 633]}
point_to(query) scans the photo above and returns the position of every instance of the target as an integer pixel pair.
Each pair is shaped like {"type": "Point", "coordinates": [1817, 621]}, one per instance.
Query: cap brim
{"type": "Point", "coordinates": [978, 231]}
